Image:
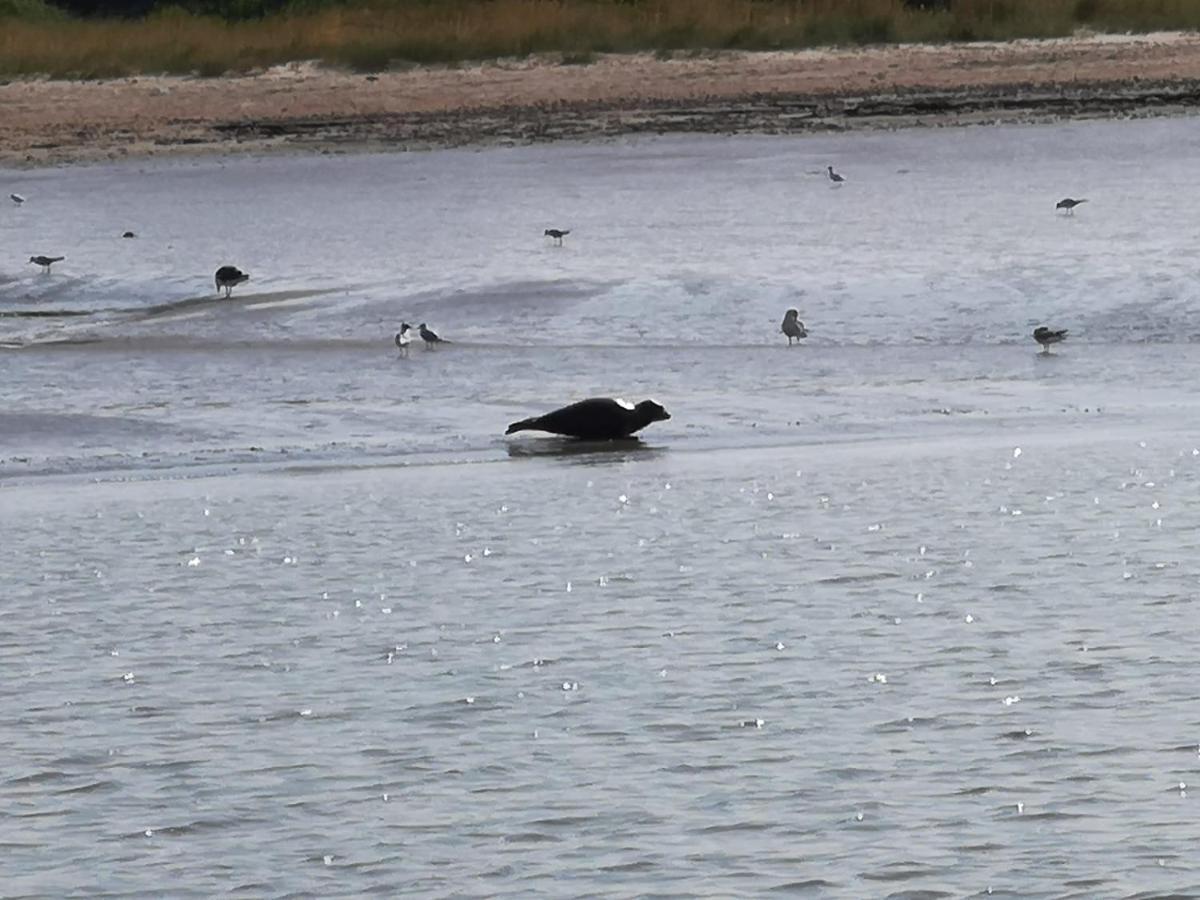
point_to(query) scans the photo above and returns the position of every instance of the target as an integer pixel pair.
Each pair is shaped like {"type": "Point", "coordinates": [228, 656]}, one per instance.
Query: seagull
{"type": "Point", "coordinates": [792, 326]}
{"type": "Point", "coordinates": [229, 277]}
{"type": "Point", "coordinates": [556, 233]}
{"type": "Point", "coordinates": [834, 176]}
{"type": "Point", "coordinates": [430, 338]}
{"type": "Point", "coordinates": [1069, 205]}
{"type": "Point", "coordinates": [17, 199]}
{"type": "Point", "coordinates": [46, 261]}
{"type": "Point", "coordinates": [1047, 336]}
{"type": "Point", "coordinates": [402, 338]}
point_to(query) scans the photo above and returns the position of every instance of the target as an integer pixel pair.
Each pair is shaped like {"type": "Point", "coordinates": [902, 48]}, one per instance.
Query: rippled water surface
{"type": "Point", "coordinates": [906, 611]}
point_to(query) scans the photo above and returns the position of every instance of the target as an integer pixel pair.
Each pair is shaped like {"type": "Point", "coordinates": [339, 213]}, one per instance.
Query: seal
{"type": "Point", "coordinates": [229, 277]}
{"type": "Point", "coordinates": [596, 419]}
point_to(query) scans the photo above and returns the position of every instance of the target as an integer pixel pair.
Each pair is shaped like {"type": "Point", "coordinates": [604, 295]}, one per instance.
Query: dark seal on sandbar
{"type": "Point", "coordinates": [597, 419]}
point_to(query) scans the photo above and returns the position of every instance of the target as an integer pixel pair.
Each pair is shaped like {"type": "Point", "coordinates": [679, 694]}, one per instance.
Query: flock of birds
{"type": "Point", "coordinates": [792, 328]}
{"type": "Point", "coordinates": [599, 418]}
{"type": "Point", "coordinates": [1045, 337]}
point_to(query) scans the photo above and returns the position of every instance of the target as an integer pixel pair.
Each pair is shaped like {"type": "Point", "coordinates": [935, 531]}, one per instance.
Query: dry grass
{"type": "Point", "coordinates": [376, 36]}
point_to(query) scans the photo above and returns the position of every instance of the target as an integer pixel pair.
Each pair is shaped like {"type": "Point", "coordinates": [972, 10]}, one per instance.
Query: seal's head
{"type": "Point", "coordinates": [652, 411]}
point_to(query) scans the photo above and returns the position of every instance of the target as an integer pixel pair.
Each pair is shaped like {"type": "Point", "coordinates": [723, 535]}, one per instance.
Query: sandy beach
{"type": "Point", "coordinates": [302, 106]}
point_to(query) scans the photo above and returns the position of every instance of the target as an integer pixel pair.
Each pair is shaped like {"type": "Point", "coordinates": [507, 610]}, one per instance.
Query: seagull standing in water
{"type": "Point", "coordinates": [402, 338]}
{"type": "Point", "coordinates": [557, 233]}
{"type": "Point", "coordinates": [1047, 336]}
{"type": "Point", "coordinates": [792, 326]}
{"type": "Point", "coordinates": [834, 176]}
{"type": "Point", "coordinates": [429, 337]}
{"type": "Point", "coordinates": [17, 199]}
{"type": "Point", "coordinates": [229, 277]}
{"type": "Point", "coordinates": [1069, 204]}
{"type": "Point", "coordinates": [46, 262]}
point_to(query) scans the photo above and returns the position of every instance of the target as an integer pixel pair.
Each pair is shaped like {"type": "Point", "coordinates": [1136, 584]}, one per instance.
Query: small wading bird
{"type": "Point", "coordinates": [556, 233]}
{"type": "Point", "coordinates": [1069, 204]}
{"type": "Point", "coordinates": [430, 337]}
{"type": "Point", "coordinates": [402, 338]}
{"type": "Point", "coordinates": [17, 199]}
{"type": "Point", "coordinates": [129, 234]}
{"type": "Point", "coordinates": [834, 176]}
{"type": "Point", "coordinates": [229, 277]}
{"type": "Point", "coordinates": [597, 419]}
{"type": "Point", "coordinates": [792, 326]}
{"type": "Point", "coordinates": [1047, 336]}
{"type": "Point", "coordinates": [46, 261]}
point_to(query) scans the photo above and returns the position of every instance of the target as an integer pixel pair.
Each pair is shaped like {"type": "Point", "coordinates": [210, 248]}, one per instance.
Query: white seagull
{"type": "Point", "coordinates": [402, 338]}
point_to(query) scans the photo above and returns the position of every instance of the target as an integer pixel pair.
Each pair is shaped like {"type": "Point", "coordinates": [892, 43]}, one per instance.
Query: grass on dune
{"type": "Point", "coordinates": [35, 39]}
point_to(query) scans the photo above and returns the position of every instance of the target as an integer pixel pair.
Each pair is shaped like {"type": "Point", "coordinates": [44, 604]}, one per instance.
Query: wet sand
{"type": "Point", "coordinates": [305, 107]}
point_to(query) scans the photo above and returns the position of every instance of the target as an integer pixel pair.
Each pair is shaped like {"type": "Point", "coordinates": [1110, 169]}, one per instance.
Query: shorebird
{"type": "Point", "coordinates": [402, 338]}
{"type": "Point", "coordinates": [1047, 336]}
{"type": "Point", "coordinates": [792, 326]}
{"type": "Point", "coordinates": [17, 199]}
{"type": "Point", "coordinates": [229, 277]}
{"type": "Point", "coordinates": [46, 261]}
{"type": "Point", "coordinates": [557, 233]}
{"type": "Point", "coordinates": [129, 234]}
{"type": "Point", "coordinates": [430, 338]}
{"type": "Point", "coordinates": [834, 176]}
{"type": "Point", "coordinates": [1069, 205]}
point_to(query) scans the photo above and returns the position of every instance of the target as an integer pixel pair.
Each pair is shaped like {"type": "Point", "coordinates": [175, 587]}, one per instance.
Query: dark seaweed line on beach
{"type": "Point", "coordinates": [750, 113]}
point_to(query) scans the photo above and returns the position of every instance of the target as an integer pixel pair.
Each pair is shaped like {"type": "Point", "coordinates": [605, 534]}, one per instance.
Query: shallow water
{"type": "Point", "coordinates": [906, 611]}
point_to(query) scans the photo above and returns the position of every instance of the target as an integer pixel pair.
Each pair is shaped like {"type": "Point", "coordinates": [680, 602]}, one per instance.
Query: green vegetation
{"type": "Point", "coordinates": [216, 36]}
{"type": "Point", "coordinates": [28, 11]}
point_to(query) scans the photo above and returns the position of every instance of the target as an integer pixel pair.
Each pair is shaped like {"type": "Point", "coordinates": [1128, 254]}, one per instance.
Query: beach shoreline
{"type": "Point", "coordinates": [305, 107]}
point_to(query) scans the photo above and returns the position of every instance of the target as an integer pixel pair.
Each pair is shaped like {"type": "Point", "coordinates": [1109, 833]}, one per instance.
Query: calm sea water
{"type": "Point", "coordinates": [907, 611]}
